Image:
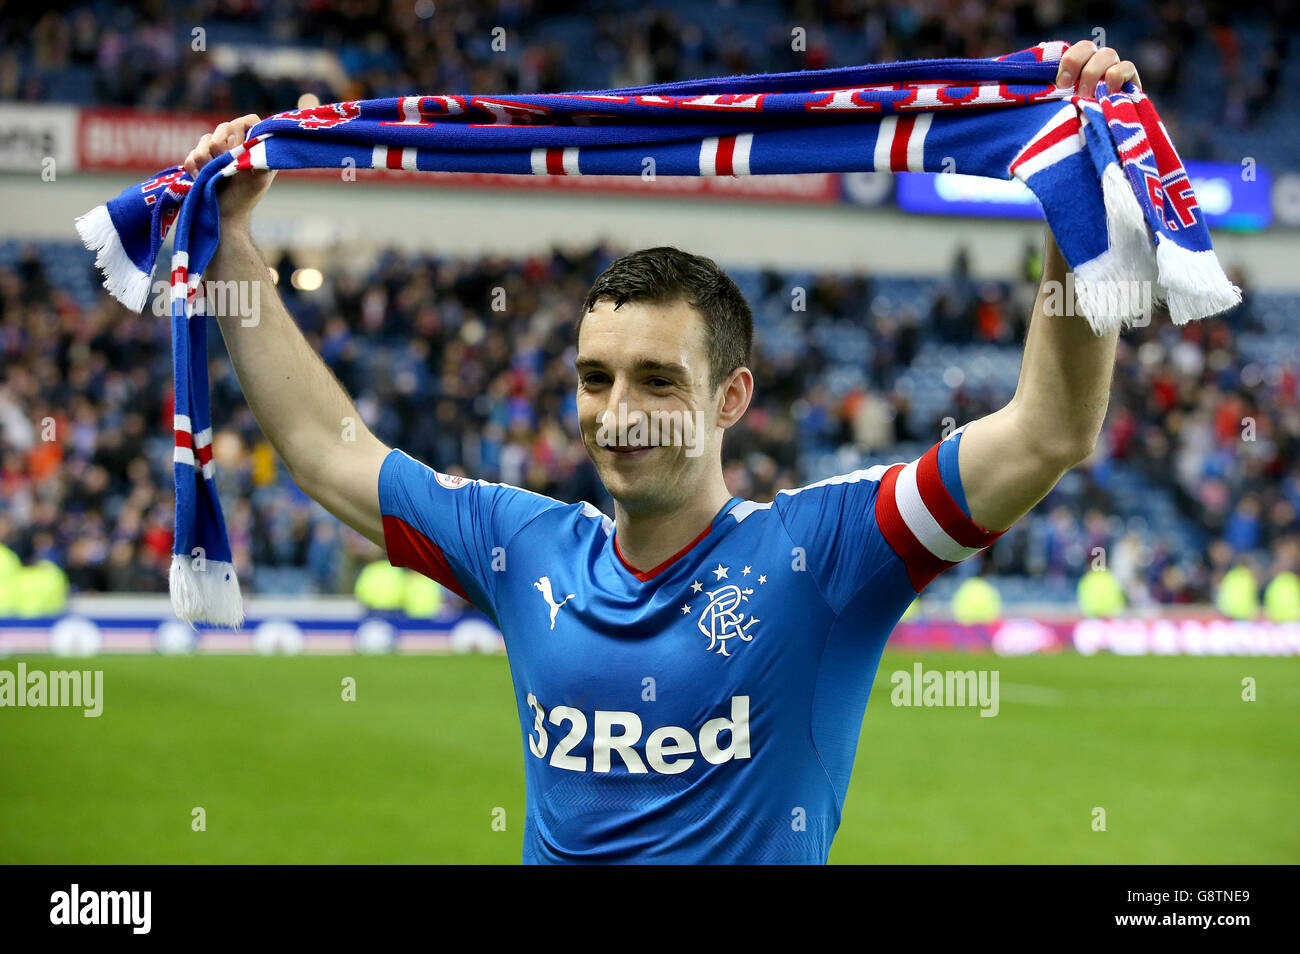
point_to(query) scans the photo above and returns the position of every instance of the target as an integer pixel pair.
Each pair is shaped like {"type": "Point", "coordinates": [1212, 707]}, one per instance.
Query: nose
{"type": "Point", "coordinates": [619, 392]}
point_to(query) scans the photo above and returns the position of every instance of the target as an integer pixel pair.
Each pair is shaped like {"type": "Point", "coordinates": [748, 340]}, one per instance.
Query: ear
{"type": "Point", "coordinates": [734, 396]}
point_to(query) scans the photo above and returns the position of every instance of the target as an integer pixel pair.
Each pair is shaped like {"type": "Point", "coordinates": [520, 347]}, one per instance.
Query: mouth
{"type": "Point", "coordinates": [629, 452]}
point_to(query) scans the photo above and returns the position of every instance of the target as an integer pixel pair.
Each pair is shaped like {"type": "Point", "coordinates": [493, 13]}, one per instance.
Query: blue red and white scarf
{"type": "Point", "coordinates": [1112, 188]}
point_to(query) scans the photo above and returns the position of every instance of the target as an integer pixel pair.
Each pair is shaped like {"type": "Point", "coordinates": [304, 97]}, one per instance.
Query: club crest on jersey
{"type": "Point", "coordinates": [326, 116]}
{"type": "Point", "coordinates": [450, 481]}
{"type": "Point", "coordinates": [723, 617]}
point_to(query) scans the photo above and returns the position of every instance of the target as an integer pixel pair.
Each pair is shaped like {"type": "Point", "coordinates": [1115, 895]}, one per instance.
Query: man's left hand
{"type": "Point", "coordinates": [1088, 65]}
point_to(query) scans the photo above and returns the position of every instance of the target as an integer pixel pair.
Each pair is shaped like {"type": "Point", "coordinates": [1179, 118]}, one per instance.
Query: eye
{"type": "Point", "coordinates": [660, 383]}
{"type": "Point", "coordinates": [594, 379]}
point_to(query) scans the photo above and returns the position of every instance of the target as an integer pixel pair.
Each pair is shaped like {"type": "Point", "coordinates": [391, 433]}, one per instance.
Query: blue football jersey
{"type": "Point", "coordinates": [706, 710]}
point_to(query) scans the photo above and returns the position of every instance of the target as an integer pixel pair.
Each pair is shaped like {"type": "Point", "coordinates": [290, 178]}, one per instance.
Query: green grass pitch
{"type": "Point", "coordinates": [416, 769]}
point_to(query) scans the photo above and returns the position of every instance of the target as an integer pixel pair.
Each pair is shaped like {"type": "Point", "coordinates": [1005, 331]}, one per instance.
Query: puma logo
{"type": "Point", "coordinates": [544, 585]}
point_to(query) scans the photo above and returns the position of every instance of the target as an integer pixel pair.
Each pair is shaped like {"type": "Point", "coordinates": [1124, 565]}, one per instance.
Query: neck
{"type": "Point", "coordinates": [648, 538]}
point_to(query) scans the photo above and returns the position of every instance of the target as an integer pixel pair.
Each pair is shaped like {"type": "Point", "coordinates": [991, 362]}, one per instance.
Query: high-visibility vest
{"type": "Point", "coordinates": [1282, 598]}
{"type": "Point", "coordinates": [976, 601]}
{"type": "Point", "coordinates": [10, 567]}
{"type": "Point", "coordinates": [9, 562]}
{"type": "Point", "coordinates": [42, 590]}
{"type": "Point", "coordinates": [423, 596]}
{"type": "Point", "coordinates": [1100, 593]}
{"type": "Point", "coordinates": [381, 586]}
{"type": "Point", "coordinates": [1238, 595]}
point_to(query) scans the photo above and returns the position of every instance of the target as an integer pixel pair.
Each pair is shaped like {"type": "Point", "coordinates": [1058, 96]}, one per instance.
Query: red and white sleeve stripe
{"type": "Point", "coordinates": [922, 522]}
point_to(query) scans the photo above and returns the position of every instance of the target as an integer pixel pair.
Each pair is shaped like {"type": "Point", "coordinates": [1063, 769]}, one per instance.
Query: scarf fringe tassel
{"type": "Point", "coordinates": [123, 280]}
{"type": "Point", "coordinates": [208, 595]}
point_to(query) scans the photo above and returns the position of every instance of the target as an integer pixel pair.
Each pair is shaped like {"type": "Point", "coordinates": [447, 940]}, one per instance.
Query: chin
{"type": "Point", "coordinates": [634, 493]}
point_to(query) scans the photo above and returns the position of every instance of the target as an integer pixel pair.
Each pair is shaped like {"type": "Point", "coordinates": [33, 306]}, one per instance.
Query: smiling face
{"type": "Point", "coordinates": [650, 419]}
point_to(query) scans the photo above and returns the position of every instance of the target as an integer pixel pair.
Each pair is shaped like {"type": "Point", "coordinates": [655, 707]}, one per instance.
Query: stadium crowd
{"type": "Point", "coordinates": [148, 55]}
{"type": "Point", "coordinates": [436, 370]}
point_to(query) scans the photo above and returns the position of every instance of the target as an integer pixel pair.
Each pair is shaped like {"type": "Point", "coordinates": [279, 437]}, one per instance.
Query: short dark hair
{"type": "Point", "coordinates": [666, 275]}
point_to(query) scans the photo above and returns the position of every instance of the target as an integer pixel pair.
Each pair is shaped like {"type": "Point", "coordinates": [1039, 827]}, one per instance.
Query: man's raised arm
{"type": "Point", "coordinates": [298, 402]}
{"type": "Point", "coordinates": [1010, 459]}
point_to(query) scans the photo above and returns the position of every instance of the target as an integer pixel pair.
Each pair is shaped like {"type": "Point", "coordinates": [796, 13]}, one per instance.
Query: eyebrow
{"type": "Point", "coordinates": [642, 364]}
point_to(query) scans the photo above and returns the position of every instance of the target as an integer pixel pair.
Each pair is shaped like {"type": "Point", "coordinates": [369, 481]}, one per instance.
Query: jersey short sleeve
{"type": "Point", "coordinates": [452, 529]}
{"type": "Point", "coordinates": [852, 526]}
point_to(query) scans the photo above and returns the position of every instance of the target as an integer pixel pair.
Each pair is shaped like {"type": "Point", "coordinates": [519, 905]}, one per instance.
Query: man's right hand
{"type": "Point", "coordinates": [300, 405]}
{"type": "Point", "coordinates": [238, 196]}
